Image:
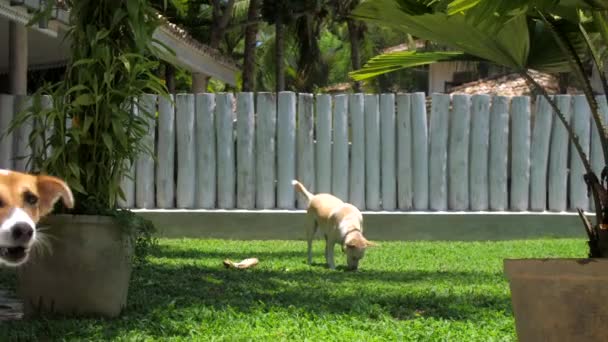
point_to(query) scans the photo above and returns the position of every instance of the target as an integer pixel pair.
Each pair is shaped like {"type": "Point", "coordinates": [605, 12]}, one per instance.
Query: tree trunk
{"type": "Point", "coordinates": [170, 78]}
{"type": "Point", "coordinates": [250, 45]}
{"type": "Point", "coordinates": [220, 24]}
{"type": "Point", "coordinates": [563, 82]}
{"type": "Point", "coordinates": [354, 34]}
{"type": "Point", "coordinates": [199, 83]}
{"type": "Point", "coordinates": [280, 47]}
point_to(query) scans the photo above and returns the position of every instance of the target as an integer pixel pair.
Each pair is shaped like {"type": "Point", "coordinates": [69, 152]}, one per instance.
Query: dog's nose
{"type": "Point", "coordinates": [22, 232]}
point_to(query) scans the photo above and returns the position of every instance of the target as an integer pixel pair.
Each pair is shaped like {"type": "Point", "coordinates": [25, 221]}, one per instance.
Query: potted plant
{"type": "Point", "coordinates": [553, 299]}
{"type": "Point", "coordinates": [90, 137]}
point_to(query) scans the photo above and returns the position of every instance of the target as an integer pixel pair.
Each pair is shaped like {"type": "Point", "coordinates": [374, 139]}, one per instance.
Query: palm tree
{"type": "Point", "coordinates": [550, 36]}
{"type": "Point", "coordinates": [342, 10]}
{"type": "Point", "coordinates": [251, 32]}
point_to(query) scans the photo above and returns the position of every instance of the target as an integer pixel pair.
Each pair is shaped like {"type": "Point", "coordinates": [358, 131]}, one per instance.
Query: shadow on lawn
{"type": "Point", "coordinates": [313, 290]}
{"type": "Point", "coordinates": [165, 291]}
{"type": "Point", "coordinates": [358, 294]}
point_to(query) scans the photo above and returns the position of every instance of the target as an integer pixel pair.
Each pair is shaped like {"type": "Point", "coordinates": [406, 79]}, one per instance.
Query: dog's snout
{"type": "Point", "coordinates": [22, 232]}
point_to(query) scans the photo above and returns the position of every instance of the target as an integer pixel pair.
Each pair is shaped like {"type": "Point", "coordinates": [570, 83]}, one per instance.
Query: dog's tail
{"type": "Point", "coordinates": [300, 188]}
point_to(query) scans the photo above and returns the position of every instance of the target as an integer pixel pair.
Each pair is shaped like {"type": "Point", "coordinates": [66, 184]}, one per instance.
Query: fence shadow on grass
{"type": "Point", "coordinates": [174, 253]}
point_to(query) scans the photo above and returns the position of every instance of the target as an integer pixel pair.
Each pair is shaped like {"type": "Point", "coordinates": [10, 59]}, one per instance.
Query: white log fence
{"type": "Point", "coordinates": [380, 152]}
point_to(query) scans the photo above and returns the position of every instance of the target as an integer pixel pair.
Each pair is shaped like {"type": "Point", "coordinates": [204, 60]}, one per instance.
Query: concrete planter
{"type": "Point", "coordinates": [559, 299]}
{"type": "Point", "coordinates": [86, 272]}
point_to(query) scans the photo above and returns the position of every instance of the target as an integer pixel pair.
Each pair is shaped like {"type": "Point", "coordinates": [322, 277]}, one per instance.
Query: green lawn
{"type": "Point", "coordinates": [409, 291]}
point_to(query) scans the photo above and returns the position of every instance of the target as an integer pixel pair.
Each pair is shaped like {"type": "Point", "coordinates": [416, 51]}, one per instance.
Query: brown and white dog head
{"type": "Point", "coordinates": [350, 223]}
{"type": "Point", "coordinates": [24, 199]}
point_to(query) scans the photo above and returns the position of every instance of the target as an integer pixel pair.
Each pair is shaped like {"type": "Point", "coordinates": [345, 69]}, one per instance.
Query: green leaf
{"type": "Point", "coordinates": [74, 169]}
{"type": "Point", "coordinates": [84, 100]}
{"type": "Point", "coordinates": [601, 24]}
{"type": "Point", "coordinates": [84, 61]}
{"type": "Point", "coordinates": [107, 140]}
{"type": "Point", "coordinates": [119, 132]}
{"type": "Point", "coordinates": [88, 121]}
{"type": "Point", "coordinates": [393, 61]}
{"type": "Point", "coordinates": [505, 43]}
{"type": "Point", "coordinates": [458, 6]}
{"type": "Point", "coordinates": [545, 53]}
{"type": "Point", "coordinates": [78, 187]}
{"type": "Point", "coordinates": [78, 87]}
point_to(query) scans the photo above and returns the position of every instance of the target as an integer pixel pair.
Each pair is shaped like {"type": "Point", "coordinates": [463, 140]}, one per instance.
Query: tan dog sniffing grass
{"type": "Point", "coordinates": [340, 223]}
{"type": "Point", "coordinates": [24, 199]}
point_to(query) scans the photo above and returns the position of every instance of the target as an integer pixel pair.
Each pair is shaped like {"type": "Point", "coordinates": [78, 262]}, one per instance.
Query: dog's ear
{"type": "Point", "coordinates": [371, 244]}
{"type": "Point", "coordinates": [50, 189]}
{"type": "Point", "coordinates": [356, 242]}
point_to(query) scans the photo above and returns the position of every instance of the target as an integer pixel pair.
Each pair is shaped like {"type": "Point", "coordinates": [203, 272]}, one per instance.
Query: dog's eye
{"type": "Point", "coordinates": [30, 198]}
{"type": "Point", "coordinates": [2, 204]}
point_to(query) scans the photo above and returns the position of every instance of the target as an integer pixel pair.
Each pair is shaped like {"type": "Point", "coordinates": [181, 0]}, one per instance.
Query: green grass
{"type": "Point", "coordinates": [409, 291]}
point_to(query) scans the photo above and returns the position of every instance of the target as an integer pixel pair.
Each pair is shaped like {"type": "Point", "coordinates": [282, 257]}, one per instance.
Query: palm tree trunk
{"type": "Point", "coordinates": [220, 24]}
{"type": "Point", "coordinates": [280, 53]}
{"type": "Point", "coordinates": [250, 44]}
{"type": "Point", "coordinates": [170, 77]}
{"type": "Point", "coordinates": [354, 34]}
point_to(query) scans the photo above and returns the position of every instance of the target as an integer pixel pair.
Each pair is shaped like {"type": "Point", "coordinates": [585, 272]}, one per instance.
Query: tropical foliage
{"type": "Point", "coordinates": [546, 35]}
{"type": "Point", "coordinates": [319, 43]}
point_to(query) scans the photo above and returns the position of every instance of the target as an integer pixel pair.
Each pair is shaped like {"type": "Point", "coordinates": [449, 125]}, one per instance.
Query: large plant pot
{"type": "Point", "coordinates": [85, 273]}
{"type": "Point", "coordinates": [559, 299]}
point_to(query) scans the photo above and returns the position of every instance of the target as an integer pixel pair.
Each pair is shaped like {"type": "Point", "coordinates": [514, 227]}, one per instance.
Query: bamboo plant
{"type": "Point", "coordinates": [89, 135]}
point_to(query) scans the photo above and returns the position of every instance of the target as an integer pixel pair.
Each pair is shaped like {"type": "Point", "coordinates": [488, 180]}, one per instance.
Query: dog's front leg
{"type": "Point", "coordinates": [329, 253]}
{"type": "Point", "coordinates": [311, 229]}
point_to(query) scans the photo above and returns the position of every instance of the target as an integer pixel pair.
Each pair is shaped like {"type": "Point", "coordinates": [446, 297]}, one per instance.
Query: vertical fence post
{"type": "Point", "coordinates": [323, 146]}
{"type": "Point", "coordinates": [144, 166]}
{"type": "Point", "coordinates": [286, 147]}
{"type": "Point", "coordinates": [305, 159]}
{"type": "Point", "coordinates": [439, 151]}
{"type": "Point", "coordinates": [245, 186]}
{"type": "Point", "coordinates": [540, 154]}
{"type": "Point", "coordinates": [520, 153]}
{"type": "Point", "coordinates": [206, 149]}
{"type": "Point", "coordinates": [339, 182]}
{"type": "Point", "coordinates": [372, 152]}
{"type": "Point", "coordinates": [224, 124]}
{"type": "Point", "coordinates": [357, 151]}
{"type": "Point", "coordinates": [184, 128]}
{"type": "Point", "coordinates": [458, 160]}
{"type": "Point", "coordinates": [165, 166]}
{"type": "Point", "coordinates": [558, 158]}
{"type": "Point", "coordinates": [388, 151]}
{"type": "Point", "coordinates": [404, 152]}
{"type": "Point", "coordinates": [499, 146]}
{"type": "Point", "coordinates": [266, 128]}
{"type": "Point", "coordinates": [581, 125]}
{"type": "Point", "coordinates": [480, 146]}
{"type": "Point", "coordinates": [420, 157]}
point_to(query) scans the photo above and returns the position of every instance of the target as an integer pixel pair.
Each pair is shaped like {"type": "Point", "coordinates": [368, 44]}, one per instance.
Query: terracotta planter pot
{"type": "Point", "coordinates": [559, 299]}
{"type": "Point", "coordinates": [86, 272]}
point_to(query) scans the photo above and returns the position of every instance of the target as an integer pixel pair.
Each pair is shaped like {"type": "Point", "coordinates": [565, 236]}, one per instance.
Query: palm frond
{"type": "Point", "coordinates": [502, 43]}
{"type": "Point", "coordinates": [393, 61]}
